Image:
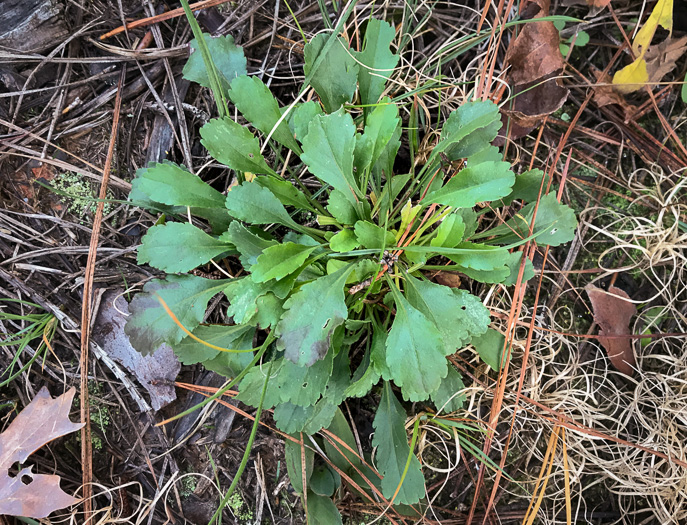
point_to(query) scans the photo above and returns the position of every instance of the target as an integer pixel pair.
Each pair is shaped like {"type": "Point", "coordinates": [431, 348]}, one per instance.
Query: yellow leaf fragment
{"type": "Point", "coordinates": [662, 15]}
{"type": "Point", "coordinates": [632, 77]}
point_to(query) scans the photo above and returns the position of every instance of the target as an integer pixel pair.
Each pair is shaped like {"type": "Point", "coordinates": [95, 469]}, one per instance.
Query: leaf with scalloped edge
{"type": "Point", "coordinates": [336, 76]}
{"type": "Point", "coordinates": [256, 102]}
{"type": "Point", "coordinates": [414, 351]}
{"type": "Point", "coordinates": [328, 152]}
{"type": "Point", "coordinates": [227, 57]}
{"type": "Point", "coordinates": [178, 247]}
{"type": "Point", "coordinates": [312, 314]}
{"type": "Point", "coordinates": [234, 146]}
{"type": "Point", "coordinates": [457, 314]}
{"type": "Point", "coordinates": [378, 62]}
{"type": "Point", "coordinates": [187, 296]}
{"type": "Point", "coordinates": [278, 261]}
{"type": "Point", "coordinates": [255, 204]}
{"type": "Point", "coordinates": [393, 451]}
{"type": "Point", "coordinates": [235, 337]}
{"type": "Point", "coordinates": [487, 181]}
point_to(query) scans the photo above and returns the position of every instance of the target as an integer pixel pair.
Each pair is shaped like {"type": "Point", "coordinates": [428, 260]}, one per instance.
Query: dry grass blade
{"type": "Point", "coordinates": [86, 443]}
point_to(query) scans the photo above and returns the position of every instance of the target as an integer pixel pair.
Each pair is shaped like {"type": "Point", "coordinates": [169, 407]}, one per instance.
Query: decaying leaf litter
{"type": "Point", "coordinates": [623, 181]}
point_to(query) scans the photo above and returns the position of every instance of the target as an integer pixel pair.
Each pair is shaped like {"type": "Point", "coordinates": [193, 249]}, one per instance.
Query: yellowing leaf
{"type": "Point", "coordinates": [662, 15]}
{"type": "Point", "coordinates": [631, 77]}
{"type": "Point", "coordinates": [634, 76]}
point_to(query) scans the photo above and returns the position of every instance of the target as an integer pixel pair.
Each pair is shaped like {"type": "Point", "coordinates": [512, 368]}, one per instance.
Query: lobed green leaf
{"type": "Point", "coordinates": [178, 247]}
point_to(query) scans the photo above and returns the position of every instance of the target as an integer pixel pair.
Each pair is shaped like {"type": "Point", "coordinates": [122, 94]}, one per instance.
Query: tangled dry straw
{"type": "Point", "coordinates": [573, 376]}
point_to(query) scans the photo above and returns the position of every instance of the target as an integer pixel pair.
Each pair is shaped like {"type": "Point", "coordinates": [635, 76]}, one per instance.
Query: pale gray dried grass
{"type": "Point", "coordinates": [649, 409]}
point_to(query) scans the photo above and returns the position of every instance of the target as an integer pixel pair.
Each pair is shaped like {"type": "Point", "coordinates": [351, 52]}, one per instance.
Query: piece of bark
{"type": "Point", "coordinates": [31, 25]}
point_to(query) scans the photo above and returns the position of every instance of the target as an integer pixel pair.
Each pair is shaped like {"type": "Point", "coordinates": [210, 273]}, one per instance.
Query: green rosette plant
{"type": "Point", "coordinates": [333, 252]}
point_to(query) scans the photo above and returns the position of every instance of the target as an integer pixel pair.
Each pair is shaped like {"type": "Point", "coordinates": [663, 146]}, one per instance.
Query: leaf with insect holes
{"type": "Point", "coordinates": [227, 57]}
{"type": "Point", "coordinates": [457, 314]}
{"type": "Point", "coordinates": [335, 78]}
{"type": "Point", "coordinates": [234, 146]}
{"type": "Point", "coordinates": [554, 224]}
{"type": "Point", "coordinates": [380, 127]}
{"type": "Point", "coordinates": [311, 316]}
{"type": "Point", "coordinates": [303, 385]}
{"type": "Point", "coordinates": [328, 152]}
{"type": "Point", "coordinates": [393, 451]}
{"type": "Point", "coordinates": [278, 261]}
{"type": "Point", "coordinates": [255, 102]}
{"type": "Point", "coordinates": [286, 192]}
{"type": "Point", "coordinates": [187, 296]}
{"type": "Point", "coordinates": [469, 129]}
{"type": "Point", "coordinates": [237, 337]}
{"type": "Point", "coordinates": [487, 181]}
{"type": "Point", "coordinates": [370, 235]}
{"type": "Point", "coordinates": [179, 247]}
{"type": "Point", "coordinates": [249, 244]}
{"type": "Point", "coordinates": [415, 352]}
{"type": "Point", "coordinates": [378, 62]}
{"type": "Point", "coordinates": [489, 346]}
{"type": "Point", "coordinates": [445, 398]}
{"type": "Point", "coordinates": [254, 204]}
{"type": "Point", "coordinates": [43, 420]}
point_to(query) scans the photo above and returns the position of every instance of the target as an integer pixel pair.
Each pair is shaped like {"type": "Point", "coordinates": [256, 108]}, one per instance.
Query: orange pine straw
{"type": "Point", "coordinates": [566, 471]}
{"type": "Point", "coordinates": [161, 18]}
{"type": "Point", "coordinates": [543, 480]}
{"type": "Point", "coordinates": [195, 337]}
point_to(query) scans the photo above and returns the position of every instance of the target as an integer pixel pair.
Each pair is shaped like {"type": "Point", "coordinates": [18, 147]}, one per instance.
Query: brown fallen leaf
{"type": "Point", "coordinates": [535, 61]}
{"type": "Point", "coordinates": [612, 312]}
{"type": "Point", "coordinates": [661, 59]}
{"type": "Point", "coordinates": [27, 494]}
{"type": "Point", "coordinates": [605, 95]}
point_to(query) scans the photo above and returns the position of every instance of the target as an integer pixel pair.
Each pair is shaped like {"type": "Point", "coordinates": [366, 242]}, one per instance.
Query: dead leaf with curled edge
{"type": "Point", "coordinates": [43, 420]}
{"type": "Point", "coordinates": [612, 312]}
{"type": "Point", "coordinates": [535, 62]}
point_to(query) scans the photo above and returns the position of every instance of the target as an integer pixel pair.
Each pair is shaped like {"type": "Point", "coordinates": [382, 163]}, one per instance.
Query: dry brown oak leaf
{"type": "Point", "coordinates": [43, 420]}
{"type": "Point", "coordinates": [612, 311]}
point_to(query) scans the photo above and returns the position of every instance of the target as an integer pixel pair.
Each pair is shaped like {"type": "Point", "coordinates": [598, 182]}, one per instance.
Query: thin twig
{"type": "Point", "coordinates": [86, 449]}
